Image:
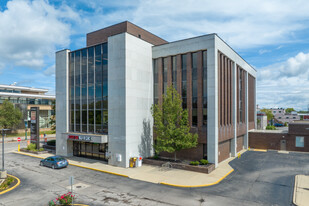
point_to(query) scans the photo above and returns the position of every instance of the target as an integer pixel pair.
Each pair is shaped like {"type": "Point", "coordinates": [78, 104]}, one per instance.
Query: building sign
{"type": "Point", "coordinates": [34, 126]}
{"type": "Point", "coordinates": [82, 138]}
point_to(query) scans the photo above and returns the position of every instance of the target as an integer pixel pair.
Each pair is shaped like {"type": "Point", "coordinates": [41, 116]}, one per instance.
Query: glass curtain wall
{"type": "Point", "coordinates": [88, 90]}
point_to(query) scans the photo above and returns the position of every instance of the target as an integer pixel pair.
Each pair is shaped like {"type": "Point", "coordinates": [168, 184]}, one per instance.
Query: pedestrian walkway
{"type": "Point", "coordinates": [154, 174]}
{"type": "Point", "coordinates": [301, 190]}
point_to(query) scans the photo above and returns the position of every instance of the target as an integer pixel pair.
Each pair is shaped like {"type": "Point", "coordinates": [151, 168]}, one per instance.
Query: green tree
{"type": "Point", "coordinates": [9, 115]}
{"type": "Point", "coordinates": [289, 110]}
{"type": "Point", "coordinates": [269, 113]}
{"type": "Point", "coordinates": [52, 120]}
{"type": "Point", "coordinates": [171, 124]}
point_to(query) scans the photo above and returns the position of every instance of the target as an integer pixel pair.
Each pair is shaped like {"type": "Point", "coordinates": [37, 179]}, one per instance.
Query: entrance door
{"type": "Point", "coordinates": [76, 148]}
{"type": "Point", "coordinates": [283, 144]}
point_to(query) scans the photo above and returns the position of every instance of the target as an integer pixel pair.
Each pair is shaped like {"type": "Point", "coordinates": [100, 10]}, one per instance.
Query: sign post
{"type": "Point", "coordinates": [35, 126]}
{"type": "Point", "coordinates": [26, 128]}
{"type": "Point", "coordinates": [18, 140]}
{"type": "Point", "coordinates": [71, 183]}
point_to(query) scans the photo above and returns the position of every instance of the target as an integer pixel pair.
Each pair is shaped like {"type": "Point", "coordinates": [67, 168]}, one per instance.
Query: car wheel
{"type": "Point", "coordinates": [53, 166]}
{"type": "Point", "coordinates": [41, 163]}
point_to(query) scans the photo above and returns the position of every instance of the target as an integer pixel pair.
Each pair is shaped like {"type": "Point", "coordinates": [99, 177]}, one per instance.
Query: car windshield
{"type": "Point", "coordinates": [59, 159]}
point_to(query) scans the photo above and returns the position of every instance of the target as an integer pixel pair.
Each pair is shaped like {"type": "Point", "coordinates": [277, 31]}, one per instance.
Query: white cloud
{"type": "Point", "coordinates": [50, 71]}
{"type": "Point", "coordinates": [31, 30]}
{"type": "Point", "coordinates": [285, 84]}
{"type": "Point", "coordinates": [243, 24]}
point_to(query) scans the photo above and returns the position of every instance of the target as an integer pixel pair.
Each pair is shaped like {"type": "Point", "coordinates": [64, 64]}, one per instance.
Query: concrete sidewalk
{"type": "Point", "coordinates": [301, 190]}
{"type": "Point", "coordinates": [153, 174]}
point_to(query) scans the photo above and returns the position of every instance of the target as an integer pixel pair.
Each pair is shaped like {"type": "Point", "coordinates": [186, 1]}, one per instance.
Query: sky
{"type": "Point", "coordinates": [271, 35]}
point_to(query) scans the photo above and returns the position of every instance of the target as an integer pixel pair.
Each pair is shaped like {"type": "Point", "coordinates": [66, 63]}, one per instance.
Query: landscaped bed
{"type": "Point", "coordinates": [9, 182]}
{"type": "Point", "coordinates": [31, 148]}
{"type": "Point", "coordinates": [195, 166]}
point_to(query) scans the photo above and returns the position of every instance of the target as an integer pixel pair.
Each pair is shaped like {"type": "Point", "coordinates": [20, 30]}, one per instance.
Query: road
{"type": "Point", "coordinates": [259, 179]}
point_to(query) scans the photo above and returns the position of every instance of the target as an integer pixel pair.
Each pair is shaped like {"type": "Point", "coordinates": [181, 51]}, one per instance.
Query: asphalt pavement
{"type": "Point", "coordinates": [259, 178]}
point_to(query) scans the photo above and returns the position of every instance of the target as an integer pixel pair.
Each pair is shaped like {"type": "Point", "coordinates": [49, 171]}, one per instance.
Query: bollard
{"type": "Point", "coordinates": [18, 149]}
{"type": "Point", "coordinates": [28, 142]}
{"type": "Point", "coordinates": [45, 139]}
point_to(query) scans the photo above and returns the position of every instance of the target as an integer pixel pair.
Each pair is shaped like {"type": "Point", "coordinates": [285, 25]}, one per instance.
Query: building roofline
{"type": "Point", "coordinates": [205, 35]}
{"type": "Point", "coordinates": [23, 88]}
{"type": "Point", "coordinates": [35, 96]}
{"type": "Point", "coordinates": [128, 22]}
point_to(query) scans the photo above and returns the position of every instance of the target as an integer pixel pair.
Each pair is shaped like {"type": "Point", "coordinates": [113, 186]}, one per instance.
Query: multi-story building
{"type": "Point", "coordinates": [26, 97]}
{"type": "Point", "coordinates": [105, 91]}
{"type": "Point", "coordinates": [281, 115]}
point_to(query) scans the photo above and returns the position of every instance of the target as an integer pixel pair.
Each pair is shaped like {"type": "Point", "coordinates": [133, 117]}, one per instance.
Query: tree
{"type": "Point", "coordinates": [269, 114]}
{"type": "Point", "coordinates": [52, 120]}
{"type": "Point", "coordinates": [9, 115]}
{"type": "Point", "coordinates": [289, 110]}
{"type": "Point", "coordinates": [171, 125]}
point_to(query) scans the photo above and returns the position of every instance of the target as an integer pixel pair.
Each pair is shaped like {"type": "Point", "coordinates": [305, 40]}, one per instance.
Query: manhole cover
{"type": "Point", "coordinates": [78, 186]}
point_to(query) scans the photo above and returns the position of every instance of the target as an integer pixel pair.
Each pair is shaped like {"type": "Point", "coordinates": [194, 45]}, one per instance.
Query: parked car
{"type": "Point", "coordinates": [278, 125]}
{"type": "Point", "coordinates": [54, 162]}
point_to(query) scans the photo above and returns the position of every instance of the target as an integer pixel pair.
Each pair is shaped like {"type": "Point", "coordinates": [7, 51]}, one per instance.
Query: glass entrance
{"type": "Point", "coordinates": [90, 150]}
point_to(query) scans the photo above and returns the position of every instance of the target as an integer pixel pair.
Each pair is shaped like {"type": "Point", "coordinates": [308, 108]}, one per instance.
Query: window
{"type": "Point", "coordinates": [294, 117]}
{"type": "Point", "coordinates": [194, 88]}
{"type": "Point", "coordinates": [279, 111]}
{"type": "Point", "coordinates": [164, 66]}
{"type": "Point", "coordinates": [204, 58]}
{"type": "Point", "coordinates": [299, 142]}
{"type": "Point", "coordinates": [279, 117]}
{"type": "Point", "coordinates": [287, 117]}
{"type": "Point", "coordinates": [274, 112]}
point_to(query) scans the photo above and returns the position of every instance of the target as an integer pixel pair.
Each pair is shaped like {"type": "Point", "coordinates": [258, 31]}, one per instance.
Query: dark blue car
{"type": "Point", "coordinates": [54, 162]}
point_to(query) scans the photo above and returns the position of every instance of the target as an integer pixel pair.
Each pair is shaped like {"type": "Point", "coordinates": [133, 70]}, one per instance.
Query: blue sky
{"type": "Point", "coordinates": [273, 36]}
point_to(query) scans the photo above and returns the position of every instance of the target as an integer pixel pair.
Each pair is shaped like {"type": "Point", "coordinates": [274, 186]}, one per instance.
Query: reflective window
{"type": "Point", "coordinates": [204, 67]}
{"type": "Point", "coordinates": [88, 89]}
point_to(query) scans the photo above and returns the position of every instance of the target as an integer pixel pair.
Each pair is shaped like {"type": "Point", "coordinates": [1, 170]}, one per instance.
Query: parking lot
{"type": "Point", "coordinates": [260, 178]}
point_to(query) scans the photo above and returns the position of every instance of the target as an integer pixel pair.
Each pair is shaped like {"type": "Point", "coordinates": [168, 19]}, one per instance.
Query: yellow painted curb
{"type": "Point", "coordinates": [206, 185]}
{"type": "Point", "coordinates": [112, 173]}
{"type": "Point", "coordinates": [18, 183]}
{"type": "Point", "coordinates": [259, 150]}
{"type": "Point", "coordinates": [99, 170]}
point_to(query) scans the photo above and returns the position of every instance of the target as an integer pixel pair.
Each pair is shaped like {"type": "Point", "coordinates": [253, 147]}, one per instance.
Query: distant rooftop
{"type": "Point", "coordinates": [22, 88]}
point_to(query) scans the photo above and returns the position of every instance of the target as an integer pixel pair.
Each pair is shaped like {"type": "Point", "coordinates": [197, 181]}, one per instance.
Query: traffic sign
{"type": "Point", "coordinates": [18, 139]}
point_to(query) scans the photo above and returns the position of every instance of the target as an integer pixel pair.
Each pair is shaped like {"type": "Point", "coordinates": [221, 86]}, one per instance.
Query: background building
{"type": "Point", "coordinates": [282, 116]}
{"type": "Point", "coordinates": [26, 97]}
{"type": "Point", "coordinates": [105, 92]}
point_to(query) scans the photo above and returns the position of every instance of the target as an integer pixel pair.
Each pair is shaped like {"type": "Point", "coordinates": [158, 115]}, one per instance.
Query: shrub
{"type": "Point", "coordinates": [195, 163]}
{"type": "Point", "coordinates": [156, 157]}
{"type": "Point", "coordinates": [65, 199]}
{"type": "Point", "coordinates": [31, 147]}
{"type": "Point", "coordinates": [271, 127]}
{"type": "Point", "coordinates": [6, 183]}
{"type": "Point", "coordinates": [203, 162]}
{"type": "Point", "coordinates": [41, 149]}
{"type": "Point", "coordinates": [51, 142]}
{"type": "Point", "coordinates": [285, 124]}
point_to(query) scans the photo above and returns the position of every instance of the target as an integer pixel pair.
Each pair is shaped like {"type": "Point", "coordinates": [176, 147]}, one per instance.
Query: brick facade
{"type": "Point", "coordinates": [272, 140]}
{"type": "Point", "coordinates": [101, 36]}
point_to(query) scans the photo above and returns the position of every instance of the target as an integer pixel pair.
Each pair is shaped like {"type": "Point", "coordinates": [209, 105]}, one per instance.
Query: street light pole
{"type": "Point", "coordinates": [3, 134]}
{"type": "Point", "coordinates": [2, 150]}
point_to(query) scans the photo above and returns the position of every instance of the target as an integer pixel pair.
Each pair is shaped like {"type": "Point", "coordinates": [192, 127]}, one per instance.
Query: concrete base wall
{"type": "Point", "coordinates": [62, 103]}
{"type": "Point", "coordinates": [130, 89]}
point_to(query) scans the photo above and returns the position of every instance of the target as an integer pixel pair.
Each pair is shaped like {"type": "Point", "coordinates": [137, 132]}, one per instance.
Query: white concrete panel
{"type": "Point", "coordinates": [183, 46]}
{"type": "Point", "coordinates": [234, 140]}
{"type": "Point", "coordinates": [116, 99]}
{"type": "Point", "coordinates": [212, 103]}
{"type": "Point", "coordinates": [229, 52]}
{"type": "Point", "coordinates": [246, 141]}
{"type": "Point", "coordinates": [130, 89]}
{"type": "Point", "coordinates": [139, 98]}
{"type": "Point", "coordinates": [62, 103]}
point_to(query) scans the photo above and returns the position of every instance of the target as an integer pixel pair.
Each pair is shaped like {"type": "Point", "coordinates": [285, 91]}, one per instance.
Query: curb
{"type": "Point", "coordinates": [162, 183]}
{"type": "Point", "coordinates": [112, 173]}
{"type": "Point", "coordinates": [295, 189]}
{"type": "Point", "coordinates": [206, 185]}
{"type": "Point", "coordinates": [18, 183]}
{"type": "Point", "coordinates": [258, 150]}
